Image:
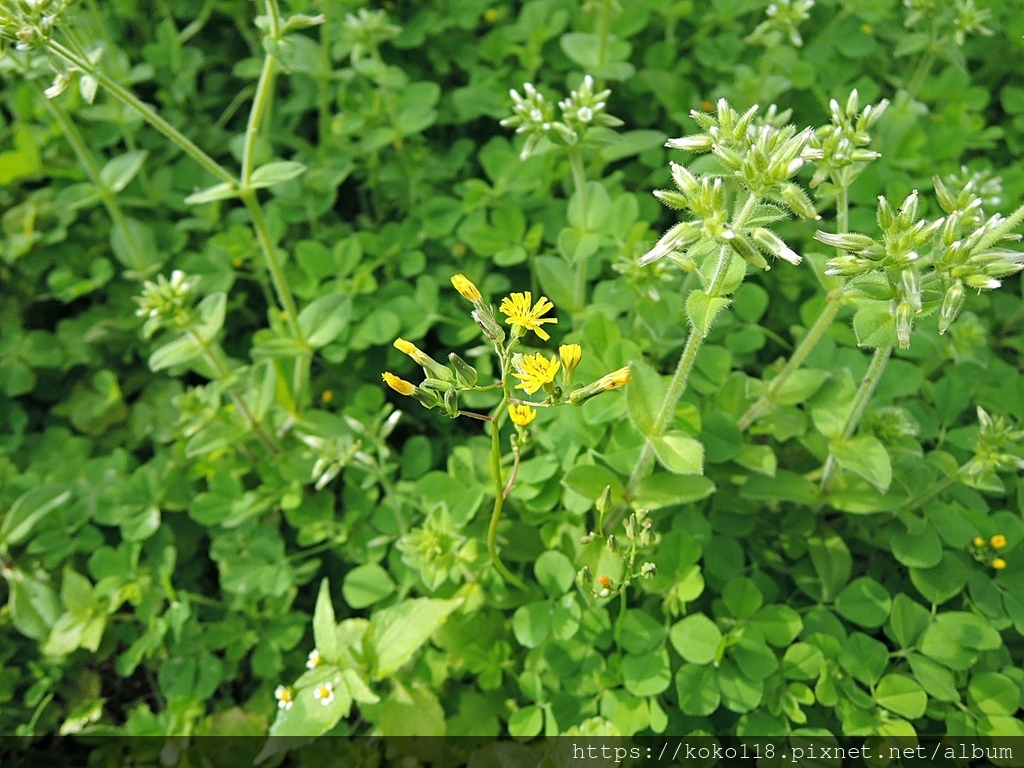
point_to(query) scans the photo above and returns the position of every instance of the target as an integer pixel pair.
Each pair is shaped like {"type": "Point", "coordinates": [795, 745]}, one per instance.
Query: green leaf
{"type": "Point", "coordinates": [275, 173]}
{"type": "Point", "coordinates": [779, 624]}
{"type": "Point", "coordinates": [937, 681]}
{"type": "Point", "coordinates": [178, 352]}
{"type": "Point", "coordinates": [864, 657]}
{"type": "Point", "coordinates": [648, 674]}
{"type": "Point", "coordinates": [118, 172]}
{"type": "Point", "coordinates": [907, 620]}
{"type": "Point", "coordinates": [993, 694]}
{"type": "Point", "coordinates": [325, 626]}
{"type": "Point", "coordinates": [800, 386]}
{"type": "Point", "coordinates": [697, 689]}
{"type": "Point", "coordinates": [397, 632]}
{"type": "Point", "coordinates": [803, 661]}
{"type": "Point", "coordinates": [832, 562]}
{"type": "Point", "coordinates": [679, 453]}
{"type": "Point", "coordinates": [902, 695]}
{"type": "Point", "coordinates": [223, 191]}
{"type": "Point", "coordinates": [212, 310]}
{"type": "Point", "coordinates": [555, 573]}
{"type": "Point", "coordinates": [665, 490]}
{"type": "Point", "coordinates": [644, 396]}
{"type": "Point", "coordinates": [324, 319]}
{"type": "Point", "coordinates": [916, 543]}
{"type": "Point", "coordinates": [721, 438]}
{"type": "Point", "coordinates": [308, 716]}
{"type": "Point", "coordinates": [531, 623]}
{"type": "Point", "coordinates": [33, 604]}
{"type": "Point", "coordinates": [701, 310]}
{"type": "Point", "coordinates": [366, 585]}
{"type": "Point", "coordinates": [590, 480]}
{"type": "Point", "coordinates": [944, 581]}
{"type": "Point", "coordinates": [696, 638]}
{"type": "Point", "coordinates": [740, 693]}
{"type": "Point", "coordinates": [28, 511]}
{"type": "Point", "coordinates": [864, 602]}
{"type": "Point", "coordinates": [412, 711]}
{"type": "Point", "coordinates": [875, 325]}
{"type": "Point", "coordinates": [742, 597]}
{"type": "Point", "coordinates": [865, 456]}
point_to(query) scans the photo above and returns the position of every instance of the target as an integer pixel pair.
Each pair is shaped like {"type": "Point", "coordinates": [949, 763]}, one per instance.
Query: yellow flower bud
{"type": "Point", "coordinates": [978, 541]}
{"type": "Point", "coordinates": [521, 415]}
{"type": "Point", "coordinates": [401, 386]}
{"type": "Point", "coordinates": [999, 563]}
{"type": "Point", "coordinates": [570, 354]}
{"type": "Point", "coordinates": [998, 541]}
{"type": "Point", "coordinates": [406, 347]}
{"type": "Point", "coordinates": [465, 287]}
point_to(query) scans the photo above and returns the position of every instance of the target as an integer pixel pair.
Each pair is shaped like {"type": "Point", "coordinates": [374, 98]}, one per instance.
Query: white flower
{"type": "Point", "coordinates": [324, 693]}
{"type": "Point", "coordinates": [314, 660]}
{"type": "Point", "coordinates": [285, 697]}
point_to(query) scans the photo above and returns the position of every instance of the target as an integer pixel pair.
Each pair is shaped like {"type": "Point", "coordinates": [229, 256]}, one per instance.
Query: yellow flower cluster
{"type": "Point", "coordinates": [983, 550]}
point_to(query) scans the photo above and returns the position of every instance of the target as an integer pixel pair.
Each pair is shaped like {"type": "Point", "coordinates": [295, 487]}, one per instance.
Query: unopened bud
{"type": "Point", "coordinates": [741, 245]}
{"type": "Point", "coordinates": [488, 325]}
{"type": "Point", "coordinates": [952, 303]}
{"type": "Point", "coordinates": [797, 200]}
{"type": "Point", "coordinates": [604, 501]}
{"type": "Point", "coordinates": [466, 374]}
{"type": "Point", "coordinates": [904, 323]}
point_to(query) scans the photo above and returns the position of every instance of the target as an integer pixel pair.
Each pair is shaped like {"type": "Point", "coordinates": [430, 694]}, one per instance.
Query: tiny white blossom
{"type": "Point", "coordinates": [324, 693]}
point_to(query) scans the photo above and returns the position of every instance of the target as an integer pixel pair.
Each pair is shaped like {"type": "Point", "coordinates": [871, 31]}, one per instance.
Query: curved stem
{"type": "Point", "coordinates": [499, 497]}
{"type": "Point", "coordinates": [260, 106]}
{"type": "Point", "coordinates": [860, 403]}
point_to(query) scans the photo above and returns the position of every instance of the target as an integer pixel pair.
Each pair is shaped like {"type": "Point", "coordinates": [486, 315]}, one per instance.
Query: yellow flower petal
{"type": "Point", "coordinates": [465, 287]}
{"type": "Point", "coordinates": [521, 415]}
{"type": "Point", "coordinates": [534, 371]}
{"type": "Point", "coordinates": [401, 386]}
{"type": "Point", "coordinates": [522, 312]}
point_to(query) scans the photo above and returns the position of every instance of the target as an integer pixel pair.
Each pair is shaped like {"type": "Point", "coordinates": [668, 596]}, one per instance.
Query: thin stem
{"type": "Point", "coordinates": [934, 490]}
{"type": "Point", "coordinates": [860, 403]}
{"type": "Point", "coordinates": [803, 349]}
{"type": "Point", "coordinates": [214, 357]}
{"type": "Point", "coordinates": [514, 473]}
{"type": "Point", "coordinates": [579, 178]}
{"type": "Point", "coordinates": [499, 497]}
{"type": "Point", "coordinates": [260, 106]}
{"type": "Point", "coordinates": [148, 113]}
{"type": "Point", "coordinates": [277, 276]}
{"type": "Point", "coordinates": [676, 386]}
{"type": "Point", "coordinates": [108, 198]}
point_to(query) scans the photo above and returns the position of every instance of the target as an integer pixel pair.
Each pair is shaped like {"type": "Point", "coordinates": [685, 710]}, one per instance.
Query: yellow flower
{"type": "Point", "coordinates": [401, 386]}
{"type": "Point", "coordinates": [999, 563]}
{"type": "Point", "coordinates": [998, 541]}
{"type": "Point", "coordinates": [521, 415]}
{"type": "Point", "coordinates": [522, 312]}
{"type": "Point", "coordinates": [978, 541]}
{"type": "Point", "coordinates": [465, 287]}
{"type": "Point", "coordinates": [614, 380]}
{"type": "Point", "coordinates": [570, 354]}
{"type": "Point", "coordinates": [534, 371]}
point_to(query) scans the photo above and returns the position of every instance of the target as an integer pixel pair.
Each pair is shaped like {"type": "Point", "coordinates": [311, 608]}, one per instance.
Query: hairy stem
{"type": "Point", "coordinates": [860, 403]}
{"type": "Point", "coordinates": [677, 385]}
{"type": "Point", "coordinates": [579, 178]}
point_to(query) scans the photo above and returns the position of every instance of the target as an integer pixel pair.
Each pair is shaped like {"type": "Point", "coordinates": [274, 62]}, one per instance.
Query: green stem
{"type": "Point", "coordinates": [803, 349]}
{"type": "Point", "coordinates": [499, 496]}
{"type": "Point", "coordinates": [935, 490]}
{"type": "Point", "coordinates": [260, 106]}
{"type": "Point", "coordinates": [148, 113]}
{"type": "Point", "coordinates": [107, 197]}
{"type": "Point", "coordinates": [860, 403]}
{"type": "Point", "coordinates": [579, 178]}
{"type": "Point", "coordinates": [214, 357]}
{"type": "Point", "coordinates": [677, 385]}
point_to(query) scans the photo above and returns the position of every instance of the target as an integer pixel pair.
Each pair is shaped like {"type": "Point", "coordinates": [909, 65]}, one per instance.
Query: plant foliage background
{"type": "Point", "coordinates": [190, 471]}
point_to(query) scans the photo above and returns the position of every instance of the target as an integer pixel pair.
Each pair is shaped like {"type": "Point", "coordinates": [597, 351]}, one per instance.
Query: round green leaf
{"type": "Point", "coordinates": [902, 695]}
{"type": "Point", "coordinates": [647, 675]}
{"type": "Point", "coordinates": [696, 638]}
{"type": "Point", "coordinates": [993, 694]}
{"type": "Point", "coordinates": [365, 585]}
{"type": "Point", "coordinates": [864, 602]}
{"type": "Point", "coordinates": [555, 573]}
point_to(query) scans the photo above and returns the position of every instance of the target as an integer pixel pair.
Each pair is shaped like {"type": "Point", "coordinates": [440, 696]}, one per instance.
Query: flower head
{"type": "Point", "coordinates": [324, 693]}
{"type": "Point", "coordinates": [314, 660]}
{"type": "Point", "coordinates": [521, 415]}
{"type": "Point", "coordinates": [999, 563]}
{"type": "Point", "coordinates": [570, 354]}
{"type": "Point", "coordinates": [524, 314]}
{"type": "Point", "coordinates": [401, 386]}
{"type": "Point", "coordinates": [285, 697]}
{"type": "Point", "coordinates": [998, 541]}
{"type": "Point", "coordinates": [466, 288]}
{"type": "Point", "coordinates": [978, 541]}
{"type": "Point", "coordinates": [614, 380]}
{"type": "Point", "coordinates": [535, 371]}
{"type": "Point", "coordinates": [406, 347]}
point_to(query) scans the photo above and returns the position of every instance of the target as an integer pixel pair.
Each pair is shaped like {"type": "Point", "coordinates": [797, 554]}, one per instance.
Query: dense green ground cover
{"type": "Point", "coordinates": [800, 514]}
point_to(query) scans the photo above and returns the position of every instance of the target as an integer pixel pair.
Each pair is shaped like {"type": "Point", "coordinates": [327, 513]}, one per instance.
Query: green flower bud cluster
{"type": "Point", "coordinates": [534, 115]}
{"type": "Point", "coordinates": [759, 158]}
{"type": "Point", "coordinates": [166, 303]}
{"type": "Point", "coordinates": [844, 140]}
{"type": "Point", "coordinates": [994, 451]}
{"type": "Point", "coordinates": [962, 17]}
{"type": "Point", "coordinates": [30, 23]}
{"type": "Point", "coordinates": [784, 20]}
{"type": "Point", "coordinates": [366, 30]}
